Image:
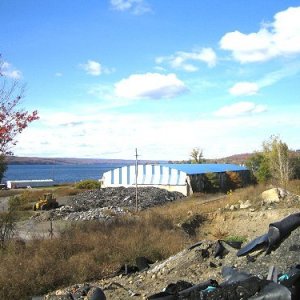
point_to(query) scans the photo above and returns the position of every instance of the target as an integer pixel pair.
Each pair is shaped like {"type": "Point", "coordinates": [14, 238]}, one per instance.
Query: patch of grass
{"type": "Point", "coordinates": [235, 238]}
{"type": "Point", "coordinates": [251, 193]}
{"type": "Point", "coordinates": [23, 201]}
{"type": "Point", "coordinates": [9, 193]}
{"type": "Point", "coordinates": [60, 190]}
{"type": "Point", "coordinates": [293, 186]}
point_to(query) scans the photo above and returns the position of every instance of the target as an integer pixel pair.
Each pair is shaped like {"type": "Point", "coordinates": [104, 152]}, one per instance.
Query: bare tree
{"type": "Point", "coordinates": [197, 156]}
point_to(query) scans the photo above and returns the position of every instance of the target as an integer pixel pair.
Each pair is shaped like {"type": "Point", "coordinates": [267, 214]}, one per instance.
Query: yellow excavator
{"type": "Point", "coordinates": [46, 202]}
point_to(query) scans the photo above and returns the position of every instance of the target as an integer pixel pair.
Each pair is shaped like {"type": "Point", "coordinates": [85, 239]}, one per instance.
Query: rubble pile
{"type": "Point", "coordinates": [104, 204]}
{"type": "Point", "coordinates": [123, 197]}
{"type": "Point", "coordinates": [99, 213]}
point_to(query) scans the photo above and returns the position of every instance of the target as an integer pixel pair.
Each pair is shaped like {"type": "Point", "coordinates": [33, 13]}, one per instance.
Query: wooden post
{"type": "Point", "coordinates": [136, 177]}
{"type": "Point", "coordinates": [51, 229]}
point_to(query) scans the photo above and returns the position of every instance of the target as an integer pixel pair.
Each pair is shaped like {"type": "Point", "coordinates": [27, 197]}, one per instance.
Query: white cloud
{"type": "Point", "coordinates": [92, 67]}
{"type": "Point", "coordinates": [9, 71]}
{"type": "Point", "coordinates": [252, 88]}
{"type": "Point", "coordinates": [275, 76]}
{"type": "Point", "coordinates": [149, 86]}
{"type": "Point", "coordinates": [95, 68]}
{"type": "Point", "coordinates": [240, 108]}
{"type": "Point", "coordinates": [244, 89]}
{"type": "Point", "coordinates": [137, 7]}
{"type": "Point", "coordinates": [184, 60]}
{"type": "Point", "coordinates": [282, 37]}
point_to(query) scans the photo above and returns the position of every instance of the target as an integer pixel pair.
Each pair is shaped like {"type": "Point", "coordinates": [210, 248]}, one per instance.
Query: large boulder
{"type": "Point", "coordinates": [95, 293]}
{"type": "Point", "coordinates": [274, 195]}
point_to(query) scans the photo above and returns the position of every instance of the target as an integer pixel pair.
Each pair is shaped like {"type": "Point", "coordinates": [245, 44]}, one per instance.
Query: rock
{"type": "Point", "coordinates": [95, 293]}
{"type": "Point", "coordinates": [282, 193]}
{"type": "Point", "coordinates": [244, 205]}
{"type": "Point", "coordinates": [190, 225]}
{"type": "Point", "coordinates": [59, 297]}
{"type": "Point", "coordinates": [234, 207]}
{"type": "Point", "coordinates": [273, 195]}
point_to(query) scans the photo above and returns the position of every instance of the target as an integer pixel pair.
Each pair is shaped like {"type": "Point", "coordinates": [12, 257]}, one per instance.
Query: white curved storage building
{"type": "Point", "coordinates": [147, 175]}
{"type": "Point", "coordinates": [184, 178]}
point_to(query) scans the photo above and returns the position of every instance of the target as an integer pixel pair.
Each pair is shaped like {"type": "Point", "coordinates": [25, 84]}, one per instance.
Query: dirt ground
{"type": "Point", "coordinates": [243, 223]}
{"type": "Point", "coordinates": [191, 265]}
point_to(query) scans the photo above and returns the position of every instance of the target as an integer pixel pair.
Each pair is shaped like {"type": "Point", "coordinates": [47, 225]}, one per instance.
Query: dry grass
{"type": "Point", "coordinates": [91, 250]}
{"type": "Point", "coordinates": [62, 190]}
{"type": "Point", "coordinates": [294, 187]}
{"type": "Point", "coordinates": [219, 233]}
{"type": "Point", "coordinates": [8, 193]}
{"type": "Point", "coordinates": [251, 193]}
{"type": "Point", "coordinates": [84, 252]}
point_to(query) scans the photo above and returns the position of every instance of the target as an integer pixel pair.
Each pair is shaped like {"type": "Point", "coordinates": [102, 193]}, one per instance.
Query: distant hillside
{"type": "Point", "coordinates": [238, 159]}
{"type": "Point", "coordinates": [16, 160]}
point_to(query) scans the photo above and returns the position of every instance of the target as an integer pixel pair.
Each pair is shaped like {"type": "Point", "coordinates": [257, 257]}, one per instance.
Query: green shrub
{"type": "Point", "coordinates": [14, 203]}
{"type": "Point", "coordinates": [88, 184]}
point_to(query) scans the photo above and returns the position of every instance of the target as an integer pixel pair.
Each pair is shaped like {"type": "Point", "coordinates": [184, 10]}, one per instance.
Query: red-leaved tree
{"type": "Point", "coordinates": [13, 119]}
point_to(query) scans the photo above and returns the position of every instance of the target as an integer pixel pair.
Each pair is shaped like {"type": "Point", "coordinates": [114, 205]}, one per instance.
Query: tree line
{"type": "Point", "coordinates": [275, 162]}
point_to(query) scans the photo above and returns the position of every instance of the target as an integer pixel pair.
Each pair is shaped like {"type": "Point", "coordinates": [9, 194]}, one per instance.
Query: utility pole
{"type": "Point", "coordinates": [136, 177]}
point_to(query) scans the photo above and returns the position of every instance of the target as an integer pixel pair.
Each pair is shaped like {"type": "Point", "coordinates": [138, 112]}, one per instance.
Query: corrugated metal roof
{"type": "Point", "coordinates": [192, 169]}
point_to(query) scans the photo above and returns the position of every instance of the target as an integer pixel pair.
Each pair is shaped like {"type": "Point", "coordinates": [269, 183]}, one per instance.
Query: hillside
{"type": "Point", "coordinates": [13, 160]}
{"type": "Point", "coordinates": [23, 160]}
{"type": "Point", "coordinates": [189, 270]}
{"type": "Point", "coordinates": [240, 159]}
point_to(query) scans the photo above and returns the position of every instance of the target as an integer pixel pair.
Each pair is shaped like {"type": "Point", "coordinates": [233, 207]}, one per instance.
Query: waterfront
{"type": "Point", "coordinates": [59, 173]}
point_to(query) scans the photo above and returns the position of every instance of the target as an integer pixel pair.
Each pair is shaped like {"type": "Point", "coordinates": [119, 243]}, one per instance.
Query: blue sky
{"type": "Point", "coordinates": [107, 76]}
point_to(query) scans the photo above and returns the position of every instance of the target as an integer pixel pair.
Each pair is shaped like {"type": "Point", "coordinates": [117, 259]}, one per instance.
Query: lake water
{"type": "Point", "coordinates": [59, 173]}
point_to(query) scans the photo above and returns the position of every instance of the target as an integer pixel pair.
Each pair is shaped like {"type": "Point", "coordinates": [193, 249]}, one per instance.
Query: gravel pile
{"type": "Point", "coordinates": [123, 197]}
{"type": "Point", "coordinates": [106, 203]}
{"type": "Point", "coordinates": [99, 213]}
